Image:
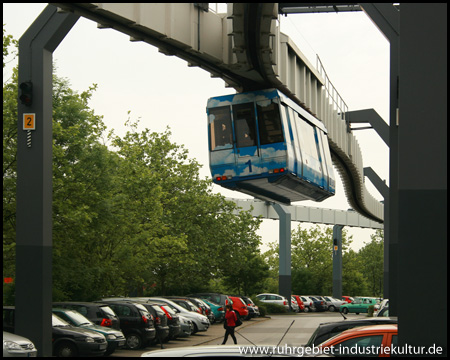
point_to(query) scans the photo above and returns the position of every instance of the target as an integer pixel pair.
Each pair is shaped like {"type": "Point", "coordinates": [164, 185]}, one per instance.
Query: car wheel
{"type": "Point", "coordinates": [307, 309]}
{"type": "Point", "coordinates": [134, 341]}
{"type": "Point", "coordinates": [357, 313]}
{"type": "Point", "coordinates": [345, 310]}
{"type": "Point", "coordinates": [332, 308]}
{"type": "Point", "coordinates": [66, 349]}
{"type": "Point", "coordinates": [195, 329]}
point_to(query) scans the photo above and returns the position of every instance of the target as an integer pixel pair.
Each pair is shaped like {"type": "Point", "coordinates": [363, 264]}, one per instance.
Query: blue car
{"type": "Point", "coordinates": [217, 310]}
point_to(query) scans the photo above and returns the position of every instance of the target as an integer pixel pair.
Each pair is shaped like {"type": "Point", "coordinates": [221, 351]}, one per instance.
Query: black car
{"type": "Point", "coordinates": [327, 330]}
{"type": "Point", "coordinates": [319, 303]}
{"type": "Point", "coordinates": [173, 320]}
{"type": "Point", "coordinates": [67, 340]}
{"type": "Point", "coordinates": [99, 314]}
{"type": "Point", "coordinates": [135, 322]}
{"type": "Point", "coordinates": [114, 338]}
{"type": "Point", "coordinates": [161, 321]}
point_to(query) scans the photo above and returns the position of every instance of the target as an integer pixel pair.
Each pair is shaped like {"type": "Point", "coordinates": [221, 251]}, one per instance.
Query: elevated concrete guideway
{"type": "Point", "coordinates": [246, 49]}
{"type": "Point", "coordinates": [309, 214]}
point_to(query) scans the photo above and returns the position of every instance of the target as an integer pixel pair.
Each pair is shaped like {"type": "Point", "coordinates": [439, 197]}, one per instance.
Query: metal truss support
{"type": "Point", "coordinates": [337, 261]}
{"type": "Point", "coordinates": [369, 116]}
{"type": "Point", "coordinates": [387, 18]}
{"type": "Point", "coordinates": [284, 284]}
{"type": "Point", "coordinates": [33, 300]}
{"type": "Point", "coordinates": [376, 180]}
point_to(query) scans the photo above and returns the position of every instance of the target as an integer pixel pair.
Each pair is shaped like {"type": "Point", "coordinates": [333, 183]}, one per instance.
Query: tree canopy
{"type": "Point", "coordinates": [131, 214]}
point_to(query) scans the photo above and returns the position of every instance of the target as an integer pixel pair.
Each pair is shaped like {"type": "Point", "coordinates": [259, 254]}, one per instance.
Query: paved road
{"type": "Point", "coordinates": [260, 331]}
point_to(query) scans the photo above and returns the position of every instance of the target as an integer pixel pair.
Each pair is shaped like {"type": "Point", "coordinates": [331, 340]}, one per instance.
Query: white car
{"type": "Point", "coordinates": [17, 346]}
{"type": "Point", "coordinates": [294, 305]}
{"type": "Point", "coordinates": [309, 303]}
{"type": "Point", "coordinates": [273, 299]}
{"type": "Point", "coordinates": [213, 351]}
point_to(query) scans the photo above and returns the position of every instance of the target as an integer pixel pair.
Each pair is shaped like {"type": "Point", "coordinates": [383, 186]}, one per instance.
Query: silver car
{"type": "Point", "coordinates": [333, 303]}
{"type": "Point", "coordinates": [17, 346]}
{"type": "Point", "coordinates": [201, 322]}
{"type": "Point", "coordinates": [273, 299]}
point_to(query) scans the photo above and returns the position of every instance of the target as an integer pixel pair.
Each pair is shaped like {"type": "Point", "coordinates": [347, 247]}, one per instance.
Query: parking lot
{"type": "Point", "coordinates": [258, 331]}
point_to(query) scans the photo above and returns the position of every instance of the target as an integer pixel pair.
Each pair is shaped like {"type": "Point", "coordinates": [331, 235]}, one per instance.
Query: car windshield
{"type": "Point", "coordinates": [58, 322]}
{"type": "Point", "coordinates": [77, 318]}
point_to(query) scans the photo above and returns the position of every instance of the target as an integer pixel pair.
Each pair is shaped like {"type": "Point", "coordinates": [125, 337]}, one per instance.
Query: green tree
{"type": "Point", "coordinates": [130, 218]}
{"type": "Point", "coordinates": [372, 260]}
{"type": "Point", "coordinates": [9, 165]}
{"type": "Point", "coordinates": [312, 263]}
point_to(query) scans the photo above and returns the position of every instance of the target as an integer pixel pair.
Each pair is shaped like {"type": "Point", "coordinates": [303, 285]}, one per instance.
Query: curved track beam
{"type": "Point", "coordinates": [262, 57]}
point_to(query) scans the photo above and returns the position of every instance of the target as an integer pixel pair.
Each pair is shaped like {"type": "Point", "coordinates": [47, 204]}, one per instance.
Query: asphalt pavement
{"type": "Point", "coordinates": [291, 329]}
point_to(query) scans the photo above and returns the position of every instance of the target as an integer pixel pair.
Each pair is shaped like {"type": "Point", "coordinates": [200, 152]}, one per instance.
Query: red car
{"type": "Point", "coordinates": [349, 299]}
{"type": "Point", "coordinates": [239, 306]}
{"type": "Point", "coordinates": [299, 302]}
{"type": "Point", "coordinates": [373, 340]}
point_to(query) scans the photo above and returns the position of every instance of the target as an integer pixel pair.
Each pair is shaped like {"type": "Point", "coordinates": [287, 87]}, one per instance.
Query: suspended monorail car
{"type": "Point", "coordinates": [263, 144]}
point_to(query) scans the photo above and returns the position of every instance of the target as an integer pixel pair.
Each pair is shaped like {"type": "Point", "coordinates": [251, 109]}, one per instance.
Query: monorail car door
{"type": "Point", "coordinates": [247, 151]}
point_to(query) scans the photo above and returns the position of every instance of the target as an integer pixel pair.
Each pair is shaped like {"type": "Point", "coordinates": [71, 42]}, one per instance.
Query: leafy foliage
{"type": "Point", "coordinates": [312, 264]}
{"type": "Point", "coordinates": [133, 217]}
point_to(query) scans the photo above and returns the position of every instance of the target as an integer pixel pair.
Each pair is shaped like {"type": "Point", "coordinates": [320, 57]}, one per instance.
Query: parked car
{"type": "Point", "coordinates": [309, 303]}
{"type": "Point", "coordinates": [17, 346]}
{"type": "Point", "coordinates": [327, 330]}
{"type": "Point", "coordinates": [294, 305]}
{"type": "Point", "coordinates": [114, 338]}
{"type": "Point", "coordinates": [207, 351]}
{"type": "Point", "coordinates": [273, 299]}
{"type": "Point", "coordinates": [333, 303]}
{"type": "Point", "coordinates": [135, 321]}
{"type": "Point", "coordinates": [300, 304]}
{"type": "Point", "coordinates": [384, 312]}
{"type": "Point", "coordinates": [253, 310]}
{"type": "Point", "coordinates": [359, 305]}
{"type": "Point", "coordinates": [173, 320]}
{"type": "Point", "coordinates": [239, 306]}
{"type": "Point", "coordinates": [209, 313]}
{"type": "Point", "coordinates": [346, 298]}
{"type": "Point", "coordinates": [367, 339]}
{"type": "Point", "coordinates": [217, 298]}
{"type": "Point", "coordinates": [68, 341]}
{"type": "Point", "coordinates": [99, 314]}
{"type": "Point", "coordinates": [319, 303]}
{"type": "Point", "coordinates": [160, 320]}
{"type": "Point", "coordinates": [187, 304]}
{"type": "Point", "coordinates": [187, 326]}
{"type": "Point", "coordinates": [201, 322]}
{"type": "Point", "coordinates": [384, 303]}
{"type": "Point", "coordinates": [218, 310]}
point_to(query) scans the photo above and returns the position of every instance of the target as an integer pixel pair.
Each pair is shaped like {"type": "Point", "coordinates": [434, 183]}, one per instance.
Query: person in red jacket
{"type": "Point", "coordinates": [229, 324]}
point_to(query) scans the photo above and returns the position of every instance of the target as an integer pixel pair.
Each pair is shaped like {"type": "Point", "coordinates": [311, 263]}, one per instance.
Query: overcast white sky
{"type": "Point", "coordinates": [163, 91]}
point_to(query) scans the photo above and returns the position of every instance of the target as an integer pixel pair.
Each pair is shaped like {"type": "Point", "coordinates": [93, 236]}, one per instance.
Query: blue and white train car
{"type": "Point", "coordinates": [263, 144]}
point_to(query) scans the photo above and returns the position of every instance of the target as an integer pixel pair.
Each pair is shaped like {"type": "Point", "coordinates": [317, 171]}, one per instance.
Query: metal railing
{"type": "Point", "coordinates": [333, 96]}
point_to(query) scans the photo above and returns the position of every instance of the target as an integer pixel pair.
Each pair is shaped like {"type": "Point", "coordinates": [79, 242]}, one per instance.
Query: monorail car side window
{"type": "Point", "coordinates": [220, 127]}
{"type": "Point", "coordinates": [307, 138]}
{"type": "Point", "coordinates": [269, 122]}
{"type": "Point", "coordinates": [245, 126]}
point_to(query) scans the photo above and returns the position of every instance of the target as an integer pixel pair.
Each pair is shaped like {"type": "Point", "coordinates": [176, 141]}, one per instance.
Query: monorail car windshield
{"type": "Point", "coordinates": [263, 144]}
